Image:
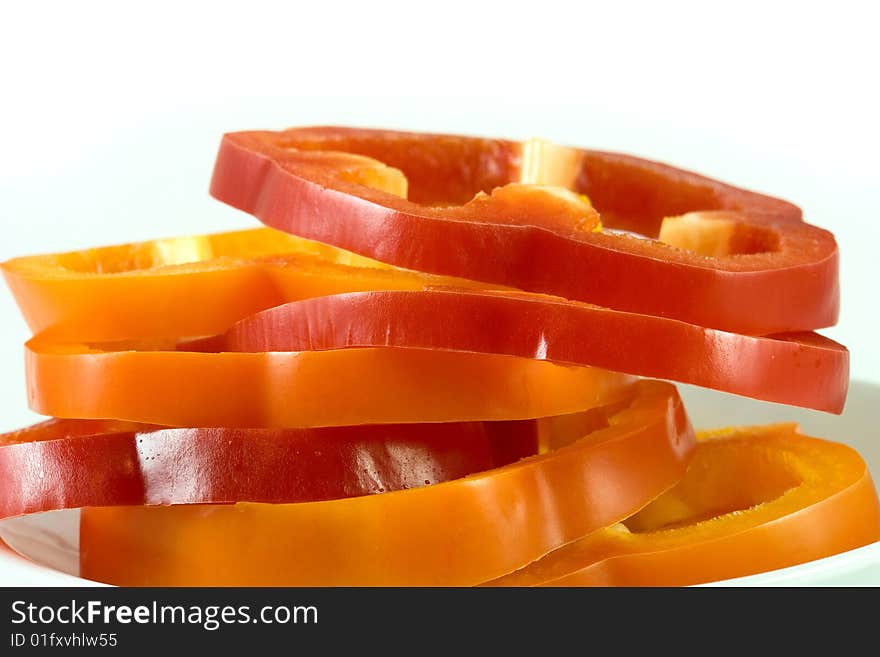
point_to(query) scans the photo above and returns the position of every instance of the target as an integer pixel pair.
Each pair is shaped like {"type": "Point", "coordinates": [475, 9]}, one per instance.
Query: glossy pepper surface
{"type": "Point", "coordinates": [61, 464]}
{"type": "Point", "coordinates": [454, 205]}
{"type": "Point", "coordinates": [803, 369]}
{"type": "Point", "coordinates": [754, 499]}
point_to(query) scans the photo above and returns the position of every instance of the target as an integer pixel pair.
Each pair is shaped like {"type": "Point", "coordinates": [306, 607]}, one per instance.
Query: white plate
{"type": "Point", "coordinates": [54, 537]}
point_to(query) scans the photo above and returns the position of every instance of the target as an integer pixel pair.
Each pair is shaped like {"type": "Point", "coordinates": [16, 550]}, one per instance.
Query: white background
{"type": "Point", "coordinates": [110, 115]}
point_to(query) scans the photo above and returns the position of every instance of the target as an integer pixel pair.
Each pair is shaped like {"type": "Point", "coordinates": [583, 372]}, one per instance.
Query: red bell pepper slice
{"type": "Point", "coordinates": [767, 273]}
{"type": "Point", "coordinates": [60, 464]}
{"type": "Point", "coordinates": [803, 369]}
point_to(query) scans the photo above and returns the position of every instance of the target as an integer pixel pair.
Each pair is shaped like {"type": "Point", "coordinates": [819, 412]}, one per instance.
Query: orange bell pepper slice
{"type": "Point", "coordinates": [142, 383]}
{"type": "Point", "coordinates": [754, 499]}
{"type": "Point", "coordinates": [460, 532]}
{"type": "Point", "coordinates": [187, 286]}
{"type": "Point", "coordinates": [755, 268]}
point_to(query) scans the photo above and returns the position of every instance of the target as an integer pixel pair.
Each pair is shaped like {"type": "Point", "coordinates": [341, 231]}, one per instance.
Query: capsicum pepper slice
{"type": "Point", "coordinates": [766, 271]}
{"type": "Point", "coordinates": [754, 499]}
{"type": "Point", "coordinates": [456, 533]}
{"type": "Point", "coordinates": [142, 382]}
{"type": "Point", "coordinates": [802, 369]}
{"type": "Point", "coordinates": [193, 285]}
{"type": "Point", "coordinates": [61, 464]}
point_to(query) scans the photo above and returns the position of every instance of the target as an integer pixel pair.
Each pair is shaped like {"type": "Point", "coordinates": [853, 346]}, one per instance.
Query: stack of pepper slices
{"type": "Point", "coordinates": [435, 366]}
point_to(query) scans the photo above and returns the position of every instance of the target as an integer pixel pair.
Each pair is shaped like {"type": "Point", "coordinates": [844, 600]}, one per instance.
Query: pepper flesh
{"type": "Point", "coordinates": [61, 464]}
{"type": "Point", "coordinates": [304, 389]}
{"type": "Point", "coordinates": [776, 273]}
{"type": "Point", "coordinates": [455, 533]}
{"type": "Point", "coordinates": [187, 286]}
{"type": "Point", "coordinates": [801, 369]}
{"type": "Point", "coordinates": [754, 499]}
